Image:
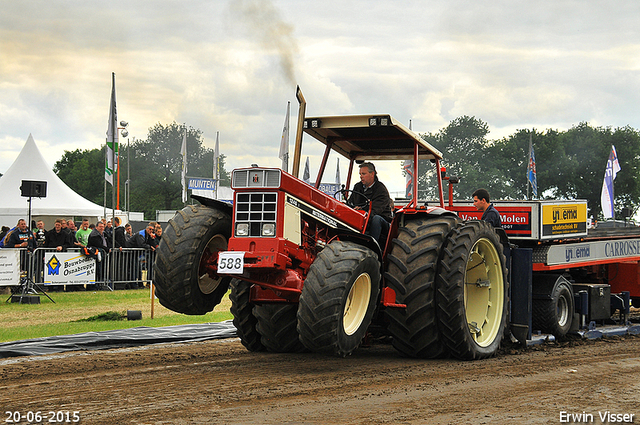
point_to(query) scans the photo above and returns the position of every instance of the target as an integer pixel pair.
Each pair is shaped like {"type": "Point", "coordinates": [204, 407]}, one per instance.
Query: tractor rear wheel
{"type": "Point", "coordinates": [186, 260]}
{"type": "Point", "coordinates": [243, 317]}
{"type": "Point", "coordinates": [411, 273]}
{"type": "Point", "coordinates": [277, 326]}
{"type": "Point", "coordinates": [339, 298]}
{"type": "Point", "coordinates": [472, 291]}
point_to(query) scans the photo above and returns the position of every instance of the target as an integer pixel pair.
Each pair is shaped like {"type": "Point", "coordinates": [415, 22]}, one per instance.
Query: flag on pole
{"type": "Point", "coordinates": [216, 156]}
{"type": "Point", "coordinates": [531, 170]}
{"type": "Point", "coordinates": [606, 197]}
{"type": "Point", "coordinates": [305, 175]}
{"type": "Point", "coordinates": [338, 172]}
{"type": "Point", "coordinates": [284, 143]}
{"type": "Point", "coordinates": [111, 164]}
{"type": "Point", "coordinates": [183, 152]}
{"type": "Point", "coordinates": [408, 169]}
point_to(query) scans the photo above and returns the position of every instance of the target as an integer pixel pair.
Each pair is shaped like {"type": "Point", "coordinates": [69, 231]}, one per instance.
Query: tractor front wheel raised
{"type": "Point", "coordinates": [186, 260]}
{"type": "Point", "coordinates": [339, 298]}
{"type": "Point", "coordinates": [472, 291]}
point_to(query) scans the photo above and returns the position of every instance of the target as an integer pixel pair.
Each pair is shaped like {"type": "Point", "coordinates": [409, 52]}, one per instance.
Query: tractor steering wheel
{"type": "Point", "coordinates": [344, 192]}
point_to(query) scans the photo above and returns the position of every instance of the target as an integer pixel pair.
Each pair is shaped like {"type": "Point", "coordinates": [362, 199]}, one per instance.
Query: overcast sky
{"type": "Point", "coordinates": [231, 66]}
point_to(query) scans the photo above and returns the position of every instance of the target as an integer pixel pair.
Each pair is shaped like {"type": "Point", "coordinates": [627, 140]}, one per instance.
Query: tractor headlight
{"type": "Point", "coordinates": [242, 229]}
{"type": "Point", "coordinates": [268, 229]}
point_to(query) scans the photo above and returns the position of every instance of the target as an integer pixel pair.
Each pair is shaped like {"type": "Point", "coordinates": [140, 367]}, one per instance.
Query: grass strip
{"type": "Point", "coordinates": [75, 312]}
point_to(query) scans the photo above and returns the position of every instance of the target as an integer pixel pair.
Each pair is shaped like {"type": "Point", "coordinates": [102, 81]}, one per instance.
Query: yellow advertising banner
{"type": "Point", "coordinates": [560, 219]}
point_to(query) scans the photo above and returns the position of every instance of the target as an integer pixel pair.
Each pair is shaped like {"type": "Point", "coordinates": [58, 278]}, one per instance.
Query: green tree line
{"type": "Point", "coordinates": [155, 169]}
{"type": "Point", "coordinates": [570, 164]}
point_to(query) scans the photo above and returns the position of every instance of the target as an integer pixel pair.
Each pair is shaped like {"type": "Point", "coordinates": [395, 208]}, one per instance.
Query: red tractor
{"type": "Point", "coordinates": [305, 275]}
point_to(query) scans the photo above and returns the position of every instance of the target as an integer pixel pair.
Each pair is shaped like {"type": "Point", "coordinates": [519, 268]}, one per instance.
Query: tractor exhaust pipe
{"type": "Point", "coordinates": [298, 149]}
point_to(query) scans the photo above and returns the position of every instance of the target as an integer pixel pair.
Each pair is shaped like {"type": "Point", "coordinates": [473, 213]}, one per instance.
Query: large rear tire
{"type": "Point", "coordinates": [411, 273]}
{"type": "Point", "coordinates": [339, 298]}
{"type": "Point", "coordinates": [186, 259]}
{"type": "Point", "coordinates": [277, 325]}
{"type": "Point", "coordinates": [243, 318]}
{"type": "Point", "coordinates": [552, 305]}
{"type": "Point", "coordinates": [472, 291]}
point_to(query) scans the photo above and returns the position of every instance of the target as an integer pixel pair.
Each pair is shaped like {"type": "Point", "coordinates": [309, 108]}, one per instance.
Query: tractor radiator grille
{"type": "Point", "coordinates": [256, 210]}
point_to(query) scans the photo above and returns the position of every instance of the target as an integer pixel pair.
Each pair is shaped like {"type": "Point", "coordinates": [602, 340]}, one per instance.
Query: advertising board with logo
{"type": "Point", "coordinates": [68, 268]}
{"type": "Point", "coordinates": [563, 219]}
{"type": "Point", "coordinates": [516, 220]}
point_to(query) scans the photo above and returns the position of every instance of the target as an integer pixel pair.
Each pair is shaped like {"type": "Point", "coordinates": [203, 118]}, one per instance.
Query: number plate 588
{"type": "Point", "coordinates": [231, 262]}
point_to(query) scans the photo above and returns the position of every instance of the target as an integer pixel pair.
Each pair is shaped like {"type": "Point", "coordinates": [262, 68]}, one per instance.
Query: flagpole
{"type": "Point", "coordinates": [216, 162]}
{"type": "Point", "coordinates": [183, 153]}
{"type": "Point", "coordinates": [104, 201]}
{"type": "Point", "coordinates": [529, 168]}
{"type": "Point", "coordinates": [114, 134]}
{"type": "Point", "coordinates": [118, 170]}
{"type": "Point", "coordinates": [128, 181]}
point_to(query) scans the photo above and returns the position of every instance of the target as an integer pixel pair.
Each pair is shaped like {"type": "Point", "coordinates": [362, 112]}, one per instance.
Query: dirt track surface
{"type": "Point", "coordinates": [219, 382]}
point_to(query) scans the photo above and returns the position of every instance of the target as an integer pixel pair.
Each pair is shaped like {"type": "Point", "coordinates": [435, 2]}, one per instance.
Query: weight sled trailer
{"type": "Point", "coordinates": [567, 277]}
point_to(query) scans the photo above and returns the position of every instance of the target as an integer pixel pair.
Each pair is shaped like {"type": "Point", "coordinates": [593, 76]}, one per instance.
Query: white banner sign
{"type": "Point", "coordinates": [9, 267]}
{"type": "Point", "coordinates": [68, 268]}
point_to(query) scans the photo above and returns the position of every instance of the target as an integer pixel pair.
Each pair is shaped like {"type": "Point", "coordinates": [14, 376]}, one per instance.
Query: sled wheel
{"type": "Point", "coordinates": [243, 318]}
{"type": "Point", "coordinates": [186, 260]}
{"type": "Point", "coordinates": [411, 273]}
{"type": "Point", "coordinates": [339, 298]}
{"type": "Point", "coordinates": [552, 305]}
{"type": "Point", "coordinates": [277, 325]}
{"type": "Point", "coordinates": [472, 291]}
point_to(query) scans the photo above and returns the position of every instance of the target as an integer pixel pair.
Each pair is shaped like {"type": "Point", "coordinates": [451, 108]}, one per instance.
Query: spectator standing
{"type": "Point", "coordinates": [98, 240]}
{"type": "Point", "coordinates": [21, 237]}
{"type": "Point", "coordinates": [108, 229]}
{"type": "Point", "coordinates": [65, 228]}
{"type": "Point", "coordinates": [138, 240]}
{"type": "Point", "coordinates": [149, 235]}
{"type": "Point", "coordinates": [39, 234]}
{"type": "Point", "coordinates": [4, 232]}
{"type": "Point", "coordinates": [82, 234]}
{"type": "Point", "coordinates": [58, 238]}
{"type": "Point", "coordinates": [158, 233]}
{"type": "Point", "coordinates": [119, 232]}
{"type": "Point", "coordinates": [71, 225]}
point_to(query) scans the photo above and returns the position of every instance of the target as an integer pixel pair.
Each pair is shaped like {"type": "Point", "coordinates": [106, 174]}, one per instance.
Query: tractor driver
{"type": "Point", "coordinates": [376, 192]}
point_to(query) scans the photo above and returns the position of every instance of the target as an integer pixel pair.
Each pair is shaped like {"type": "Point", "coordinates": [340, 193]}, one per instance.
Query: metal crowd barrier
{"type": "Point", "coordinates": [126, 268]}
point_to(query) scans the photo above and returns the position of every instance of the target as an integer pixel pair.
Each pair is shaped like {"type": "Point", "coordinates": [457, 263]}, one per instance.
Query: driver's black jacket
{"type": "Point", "coordinates": [379, 196]}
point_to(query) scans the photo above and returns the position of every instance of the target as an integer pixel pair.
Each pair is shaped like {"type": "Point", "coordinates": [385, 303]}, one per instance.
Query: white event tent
{"type": "Point", "coordinates": [61, 201]}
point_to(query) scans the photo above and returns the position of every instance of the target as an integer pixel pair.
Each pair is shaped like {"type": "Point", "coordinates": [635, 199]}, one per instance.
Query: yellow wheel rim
{"type": "Point", "coordinates": [357, 303]}
{"type": "Point", "coordinates": [484, 292]}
